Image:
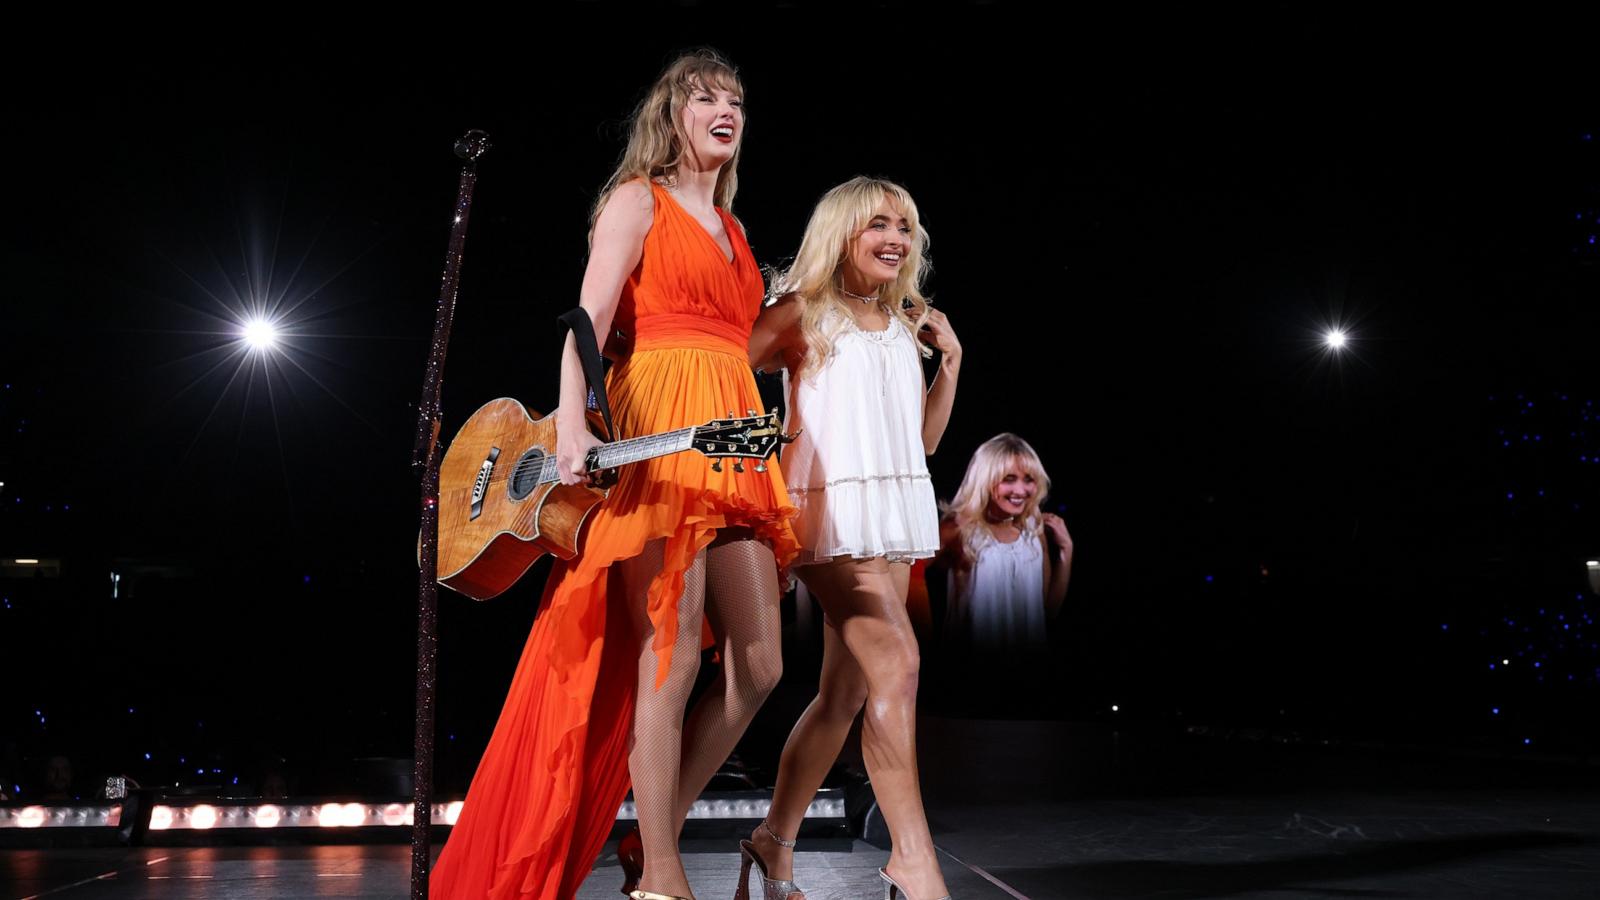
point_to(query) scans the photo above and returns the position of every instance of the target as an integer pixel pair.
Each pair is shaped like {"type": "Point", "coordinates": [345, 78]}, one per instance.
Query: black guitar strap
{"type": "Point", "coordinates": [577, 319]}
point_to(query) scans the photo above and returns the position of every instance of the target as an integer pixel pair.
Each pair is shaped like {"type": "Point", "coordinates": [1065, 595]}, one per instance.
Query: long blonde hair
{"type": "Point", "coordinates": [655, 133]}
{"type": "Point", "coordinates": [815, 275]}
{"type": "Point", "coordinates": [987, 466]}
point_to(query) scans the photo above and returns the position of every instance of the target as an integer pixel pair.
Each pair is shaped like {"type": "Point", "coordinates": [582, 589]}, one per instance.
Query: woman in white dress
{"type": "Point", "coordinates": [845, 330]}
{"type": "Point", "coordinates": [1008, 563]}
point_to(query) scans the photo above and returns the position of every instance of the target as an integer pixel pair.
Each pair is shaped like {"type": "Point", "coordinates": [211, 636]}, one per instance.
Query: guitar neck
{"type": "Point", "coordinates": [632, 450]}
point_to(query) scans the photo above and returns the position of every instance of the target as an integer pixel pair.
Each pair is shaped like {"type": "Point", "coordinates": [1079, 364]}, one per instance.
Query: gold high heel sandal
{"type": "Point", "coordinates": [892, 889]}
{"type": "Point", "coordinates": [771, 889]}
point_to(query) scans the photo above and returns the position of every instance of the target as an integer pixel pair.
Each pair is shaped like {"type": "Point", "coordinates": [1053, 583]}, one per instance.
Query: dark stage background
{"type": "Point", "coordinates": [1140, 239]}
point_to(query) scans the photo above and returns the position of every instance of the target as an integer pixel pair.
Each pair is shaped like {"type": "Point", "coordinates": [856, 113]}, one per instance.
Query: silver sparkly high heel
{"type": "Point", "coordinates": [892, 889]}
{"type": "Point", "coordinates": [771, 889]}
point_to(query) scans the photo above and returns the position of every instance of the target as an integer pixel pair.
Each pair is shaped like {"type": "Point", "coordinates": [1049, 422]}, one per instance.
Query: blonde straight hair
{"type": "Point", "coordinates": [816, 273]}
{"type": "Point", "coordinates": [987, 466]}
{"type": "Point", "coordinates": [656, 140]}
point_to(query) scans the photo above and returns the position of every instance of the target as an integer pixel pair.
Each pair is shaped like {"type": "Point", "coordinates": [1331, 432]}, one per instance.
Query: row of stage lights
{"type": "Point", "coordinates": [209, 816]}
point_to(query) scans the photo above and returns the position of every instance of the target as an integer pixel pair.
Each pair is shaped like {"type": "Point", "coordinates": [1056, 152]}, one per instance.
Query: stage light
{"type": "Point", "coordinates": [260, 334]}
{"type": "Point", "coordinates": [202, 816]}
{"type": "Point", "coordinates": [30, 817]}
{"type": "Point", "coordinates": [1505, 662]}
{"type": "Point", "coordinates": [1335, 339]}
{"type": "Point", "coordinates": [330, 815]}
{"type": "Point", "coordinates": [395, 814]}
{"type": "Point", "coordinates": [1593, 563]}
{"type": "Point", "coordinates": [1115, 708]}
{"type": "Point", "coordinates": [268, 816]}
{"type": "Point", "coordinates": [452, 812]}
{"type": "Point", "coordinates": [26, 562]}
{"type": "Point", "coordinates": [160, 818]}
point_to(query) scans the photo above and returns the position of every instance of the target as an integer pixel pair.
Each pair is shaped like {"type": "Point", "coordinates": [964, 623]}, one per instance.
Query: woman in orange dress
{"type": "Point", "coordinates": [603, 681]}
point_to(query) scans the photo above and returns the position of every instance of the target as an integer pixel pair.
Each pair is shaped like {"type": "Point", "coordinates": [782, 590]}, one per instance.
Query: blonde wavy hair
{"type": "Point", "coordinates": [656, 140]}
{"type": "Point", "coordinates": [987, 466]}
{"type": "Point", "coordinates": [817, 271]}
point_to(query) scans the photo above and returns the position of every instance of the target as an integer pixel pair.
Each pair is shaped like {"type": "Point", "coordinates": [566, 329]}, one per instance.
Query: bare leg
{"type": "Point", "coordinates": [742, 602]}
{"type": "Point", "coordinates": [655, 754]}
{"type": "Point", "coordinates": [810, 752]}
{"type": "Point", "coordinates": [865, 601]}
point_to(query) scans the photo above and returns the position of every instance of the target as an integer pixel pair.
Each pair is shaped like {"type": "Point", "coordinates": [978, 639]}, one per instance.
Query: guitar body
{"type": "Point", "coordinates": [495, 520]}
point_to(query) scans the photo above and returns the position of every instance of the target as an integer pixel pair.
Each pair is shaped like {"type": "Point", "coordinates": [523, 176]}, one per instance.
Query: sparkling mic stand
{"type": "Point", "coordinates": [425, 456]}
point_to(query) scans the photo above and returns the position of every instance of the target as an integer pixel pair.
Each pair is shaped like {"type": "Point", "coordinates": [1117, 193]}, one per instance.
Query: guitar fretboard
{"type": "Point", "coordinates": [632, 450]}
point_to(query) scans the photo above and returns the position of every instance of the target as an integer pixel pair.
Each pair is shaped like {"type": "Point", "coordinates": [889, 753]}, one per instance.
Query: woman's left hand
{"type": "Point", "coordinates": [937, 333]}
{"type": "Point", "coordinates": [1057, 528]}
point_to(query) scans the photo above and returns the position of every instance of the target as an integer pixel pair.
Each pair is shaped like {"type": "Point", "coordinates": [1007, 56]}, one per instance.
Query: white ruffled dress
{"type": "Point", "coordinates": [858, 473]}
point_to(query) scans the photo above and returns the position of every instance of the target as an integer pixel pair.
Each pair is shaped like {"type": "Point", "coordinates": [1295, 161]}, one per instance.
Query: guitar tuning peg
{"type": "Point", "coordinates": [730, 413]}
{"type": "Point", "coordinates": [761, 465]}
{"type": "Point", "coordinates": [789, 438]}
{"type": "Point", "coordinates": [738, 465]}
{"type": "Point", "coordinates": [716, 465]}
{"type": "Point", "coordinates": [749, 412]}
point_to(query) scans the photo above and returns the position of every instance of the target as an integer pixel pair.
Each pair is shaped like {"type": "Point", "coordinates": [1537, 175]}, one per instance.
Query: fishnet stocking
{"type": "Point", "coordinates": [656, 750]}
{"type": "Point", "coordinates": [741, 600]}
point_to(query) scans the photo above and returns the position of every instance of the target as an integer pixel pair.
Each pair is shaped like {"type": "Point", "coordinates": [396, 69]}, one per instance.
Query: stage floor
{"type": "Point", "coordinates": [1051, 810]}
{"type": "Point", "coordinates": [1524, 843]}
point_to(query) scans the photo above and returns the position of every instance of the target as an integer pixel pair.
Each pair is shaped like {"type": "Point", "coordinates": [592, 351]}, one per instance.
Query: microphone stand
{"type": "Point", "coordinates": [425, 456]}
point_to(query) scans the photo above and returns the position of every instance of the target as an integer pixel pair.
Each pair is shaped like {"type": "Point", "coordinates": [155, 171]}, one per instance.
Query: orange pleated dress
{"type": "Point", "coordinates": [555, 771]}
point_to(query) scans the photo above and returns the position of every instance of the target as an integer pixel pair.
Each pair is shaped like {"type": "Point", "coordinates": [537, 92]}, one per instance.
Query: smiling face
{"type": "Point", "coordinates": [711, 124]}
{"type": "Point", "coordinates": [878, 251]}
{"type": "Point", "coordinates": [1013, 492]}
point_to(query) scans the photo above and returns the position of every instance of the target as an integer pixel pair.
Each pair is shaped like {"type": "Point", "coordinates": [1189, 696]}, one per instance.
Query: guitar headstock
{"type": "Point", "coordinates": [749, 437]}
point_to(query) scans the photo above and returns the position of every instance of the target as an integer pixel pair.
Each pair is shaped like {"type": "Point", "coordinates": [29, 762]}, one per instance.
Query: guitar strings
{"type": "Point", "coordinates": [546, 463]}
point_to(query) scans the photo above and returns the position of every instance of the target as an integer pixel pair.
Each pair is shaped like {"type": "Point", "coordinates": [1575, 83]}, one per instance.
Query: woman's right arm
{"type": "Point", "coordinates": [619, 233]}
{"type": "Point", "coordinates": [775, 334]}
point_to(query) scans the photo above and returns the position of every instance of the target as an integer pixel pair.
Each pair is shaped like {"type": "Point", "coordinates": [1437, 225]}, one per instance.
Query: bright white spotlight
{"type": "Point", "coordinates": [160, 818]}
{"type": "Point", "coordinates": [30, 817]}
{"type": "Point", "coordinates": [452, 812]}
{"type": "Point", "coordinates": [268, 816]}
{"type": "Point", "coordinates": [260, 334]}
{"type": "Point", "coordinates": [1335, 339]}
{"type": "Point", "coordinates": [203, 817]}
{"type": "Point", "coordinates": [330, 815]}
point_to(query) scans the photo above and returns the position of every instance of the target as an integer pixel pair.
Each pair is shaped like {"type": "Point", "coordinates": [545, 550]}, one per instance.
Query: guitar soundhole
{"type": "Point", "coordinates": [526, 476]}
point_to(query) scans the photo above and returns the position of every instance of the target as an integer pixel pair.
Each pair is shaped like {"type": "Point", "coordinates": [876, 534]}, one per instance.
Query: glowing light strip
{"type": "Point", "coordinates": [223, 816]}
{"type": "Point", "coordinates": [61, 816]}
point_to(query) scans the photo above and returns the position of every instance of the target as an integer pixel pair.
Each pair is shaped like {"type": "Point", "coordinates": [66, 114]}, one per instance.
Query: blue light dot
{"type": "Point", "coordinates": [1541, 493]}
{"type": "Point", "coordinates": [199, 771]}
{"type": "Point", "coordinates": [1505, 443]}
{"type": "Point", "coordinates": [1537, 664]}
{"type": "Point", "coordinates": [1527, 741]}
{"type": "Point", "coordinates": [1209, 579]}
{"type": "Point", "coordinates": [235, 779]}
{"type": "Point", "coordinates": [1510, 495]}
{"type": "Point", "coordinates": [1496, 710]}
{"type": "Point", "coordinates": [147, 756]}
{"type": "Point", "coordinates": [1445, 627]}
{"type": "Point", "coordinates": [452, 737]}
{"type": "Point", "coordinates": [182, 760]}
{"type": "Point", "coordinates": [130, 710]}
{"type": "Point", "coordinates": [306, 579]}
{"type": "Point", "coordinates": [1491, 665]}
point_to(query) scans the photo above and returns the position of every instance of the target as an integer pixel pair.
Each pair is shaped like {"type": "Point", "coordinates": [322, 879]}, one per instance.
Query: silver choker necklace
{"type": "Point", "coordinates": [855, 296]}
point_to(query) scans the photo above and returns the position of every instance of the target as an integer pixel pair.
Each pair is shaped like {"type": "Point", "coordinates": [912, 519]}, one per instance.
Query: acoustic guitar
{"type": "Point", "coordinates": [502, 505]}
